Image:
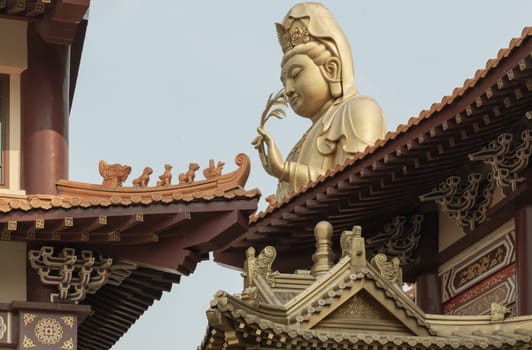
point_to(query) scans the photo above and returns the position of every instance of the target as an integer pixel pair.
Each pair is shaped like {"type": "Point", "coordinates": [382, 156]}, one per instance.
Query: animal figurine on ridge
{"type": "Point", "coordinates": [212, 172]}
{"type": "Point", "coordinates": [166, 178]}
{"type": "Point", "coordinates": [113, 174]}
{"type": "Point", "coordinates": [188, 177]}
{"type": "Point", "coordinates": [144, 179]}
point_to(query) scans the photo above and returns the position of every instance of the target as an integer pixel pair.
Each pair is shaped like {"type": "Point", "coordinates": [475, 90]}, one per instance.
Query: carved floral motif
{"type": "Point", "coordinates": [48, 331]}
{"type": "Point", "coordinates": [28, 318]}
{"type": "Point", "coordinates": [68, 344]}
{"type": "Point", "coordinates": [28, 343]}
{"type": "Point", "coordinates": [68, 320]}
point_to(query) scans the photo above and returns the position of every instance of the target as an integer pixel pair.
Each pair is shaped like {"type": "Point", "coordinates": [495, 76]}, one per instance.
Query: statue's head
{"type": "Point", "coordinates": [317, 69]}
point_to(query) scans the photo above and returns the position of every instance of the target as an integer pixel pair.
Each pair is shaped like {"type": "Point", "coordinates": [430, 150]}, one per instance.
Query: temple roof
{"type": "Point", "coordinates": [353, 304]}
{"type": "Point", "coordinates": [154, 234]}
{"type": "Point", "coordinates": [55, 20]}
{"type": "Point", "coordinates": [388, 178]}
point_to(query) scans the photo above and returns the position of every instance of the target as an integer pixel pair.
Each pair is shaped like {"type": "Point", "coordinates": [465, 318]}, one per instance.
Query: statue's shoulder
{"type": "Point", "coordinates": [360, 121]}
{"type": "Point", "coordinates": [365, 107]}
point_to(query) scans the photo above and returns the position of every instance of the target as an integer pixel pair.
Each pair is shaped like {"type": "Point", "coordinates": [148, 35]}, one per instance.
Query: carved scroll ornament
{"type": "Point", "coordinates": [260, 265]}
{"type": "Point", "coordinates": [466, 204]}
{"type": "Point", "coordinates": [389, 270]}
{"type": "Point", "coordinates": [76, 276]}
{"type": "Point", "coordinates": [399, 238]}
{"type": "Point", "coordinates": [506, 162]}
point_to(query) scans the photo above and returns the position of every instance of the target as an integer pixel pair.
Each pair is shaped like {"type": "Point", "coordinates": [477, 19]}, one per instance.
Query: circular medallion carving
{"type": "Point", "coordinates": [48, 331]}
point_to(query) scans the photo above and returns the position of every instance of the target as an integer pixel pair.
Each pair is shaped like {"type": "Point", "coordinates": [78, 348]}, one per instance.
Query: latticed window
{"type": "Point", "coordinates": [4, 112]}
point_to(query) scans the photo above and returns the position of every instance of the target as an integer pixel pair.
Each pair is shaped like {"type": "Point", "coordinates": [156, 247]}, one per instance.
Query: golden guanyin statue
{"type": "Point", "coordinates": [318, 78]}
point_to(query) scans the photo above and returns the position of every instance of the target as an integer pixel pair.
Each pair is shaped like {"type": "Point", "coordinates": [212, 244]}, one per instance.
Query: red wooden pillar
{"type": "Point", "coordinates": [45, 110]}
{"type": "Point", "coordinates": [523, 237]}
{"type": "Point", "coordinates": [428, 284]}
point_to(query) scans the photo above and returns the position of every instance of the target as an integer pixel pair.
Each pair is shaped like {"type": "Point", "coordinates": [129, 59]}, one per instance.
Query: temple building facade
{"type": "Point", "coordinates": [442, 205]}
{"type": "Point", "coordinates": [80, 263]}
{"type": "Point", "coordinates": [444, 202]}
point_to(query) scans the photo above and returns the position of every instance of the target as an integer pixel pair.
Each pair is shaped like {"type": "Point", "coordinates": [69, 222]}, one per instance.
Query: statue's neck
{"type": "Point", "coordinates": [322, 111]}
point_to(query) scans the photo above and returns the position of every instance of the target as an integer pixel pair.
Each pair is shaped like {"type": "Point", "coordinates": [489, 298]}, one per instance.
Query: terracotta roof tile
{"type": "Point", "coordinates": [413, 121]}
{"type": "Point", "coordinates": [47, 202]}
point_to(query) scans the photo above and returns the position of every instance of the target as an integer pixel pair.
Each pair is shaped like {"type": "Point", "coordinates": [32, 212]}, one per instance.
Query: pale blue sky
{"type": "Point", "coordinates": [175, 82]}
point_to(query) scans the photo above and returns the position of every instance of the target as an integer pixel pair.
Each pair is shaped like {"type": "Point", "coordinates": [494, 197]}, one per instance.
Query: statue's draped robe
{"type": "Point", "coordinates": [345, 129]}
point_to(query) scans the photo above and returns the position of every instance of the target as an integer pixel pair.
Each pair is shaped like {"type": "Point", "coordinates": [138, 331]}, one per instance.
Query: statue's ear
{"type": "Point", "coordinates": [332, 71]}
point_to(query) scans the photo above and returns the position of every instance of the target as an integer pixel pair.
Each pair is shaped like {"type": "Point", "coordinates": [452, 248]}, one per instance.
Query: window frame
{"type": "Point", "coordinates": [4, 154]}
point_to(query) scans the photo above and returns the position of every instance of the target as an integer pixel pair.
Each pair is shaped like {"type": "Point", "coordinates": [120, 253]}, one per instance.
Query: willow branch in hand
{"type": "Point", "coordinates": [279, 113]}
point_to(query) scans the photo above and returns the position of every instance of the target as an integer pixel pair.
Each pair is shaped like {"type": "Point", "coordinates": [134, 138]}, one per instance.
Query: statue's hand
{"type": "Point", "coordinates": [272, 161]}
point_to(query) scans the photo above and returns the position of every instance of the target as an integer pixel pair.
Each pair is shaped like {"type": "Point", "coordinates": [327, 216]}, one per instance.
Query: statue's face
{"type": "Point", "coordinates": [306, 88]}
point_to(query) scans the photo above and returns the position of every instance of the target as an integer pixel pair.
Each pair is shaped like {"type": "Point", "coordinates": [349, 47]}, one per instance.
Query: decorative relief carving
{"type": "Point", "coordinates": [166, 178]}
{"type": "Point", "coordinates": [260, 265]}
{"type": "Point", "coordinates": [255, 266]}
{"type": "Point", "coordinates": [48, 331]}
{"type": "Point", "coordinates": [481, 288]}
{"type": "Point", "coordinates": [503, 294]}
{"type": "Point", "coordinates": [144, 179]}
{"type": "Point", "coordinates": [28, 318]}
{"type": "Point", "coordinates": [466, 204]}
{"type": "Point", "coordinates": [400, 238]}
{"type": "Point", "coordinates": [360, 306]}
{"type": "Point", "coordinates": [3, 327]}
{"type": "Point", "coordinates": [73, 275]}
{"type": "Point", "coordinates": [213, 172]}
{"type": "Point", "coordinates": [499, 312]}
{"type": "Point", "coordinates": [389, 270]}
{"type": "Point", "coordinates": [188, 177]}
{"type": "Point", "coordinates": [28, 343]}
{"type": "Point", "coordinates": [113, 174]}
{"type": "Point", "coordinates": [68, 320]}
{"type": "Point", "coordinates": [506, 162]}
{"type": "Point", "coordinates": [68, 344]}
{"type": "Point", "coordinates": [353, 245]}
{"type": "Point", "coordinates": [477, 267]}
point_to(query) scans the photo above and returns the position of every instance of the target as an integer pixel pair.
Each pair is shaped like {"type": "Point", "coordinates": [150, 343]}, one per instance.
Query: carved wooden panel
{"type": "Point", "coordinates": [498, 288]}
{"type": "Point", "coordinates": [477, 267]}
{"type": "Point", "coordinates": [47, 331]}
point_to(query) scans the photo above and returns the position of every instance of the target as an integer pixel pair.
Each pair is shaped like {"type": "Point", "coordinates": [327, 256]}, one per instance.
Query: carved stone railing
{"type": "Point", "coordinates": [75, 275]}
{"type": "Point", "coordinates": [507, 162]}
{"type": "Point", "coordinates": [466, 204]}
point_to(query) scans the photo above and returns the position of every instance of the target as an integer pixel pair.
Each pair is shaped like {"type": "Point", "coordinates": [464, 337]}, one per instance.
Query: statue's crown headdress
{"type": "Point", "coordinates": [295, 35]}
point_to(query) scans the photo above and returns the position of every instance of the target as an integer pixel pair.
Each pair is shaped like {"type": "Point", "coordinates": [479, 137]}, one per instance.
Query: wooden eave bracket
{"type": "Point", "coordinates": [60, 25]}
